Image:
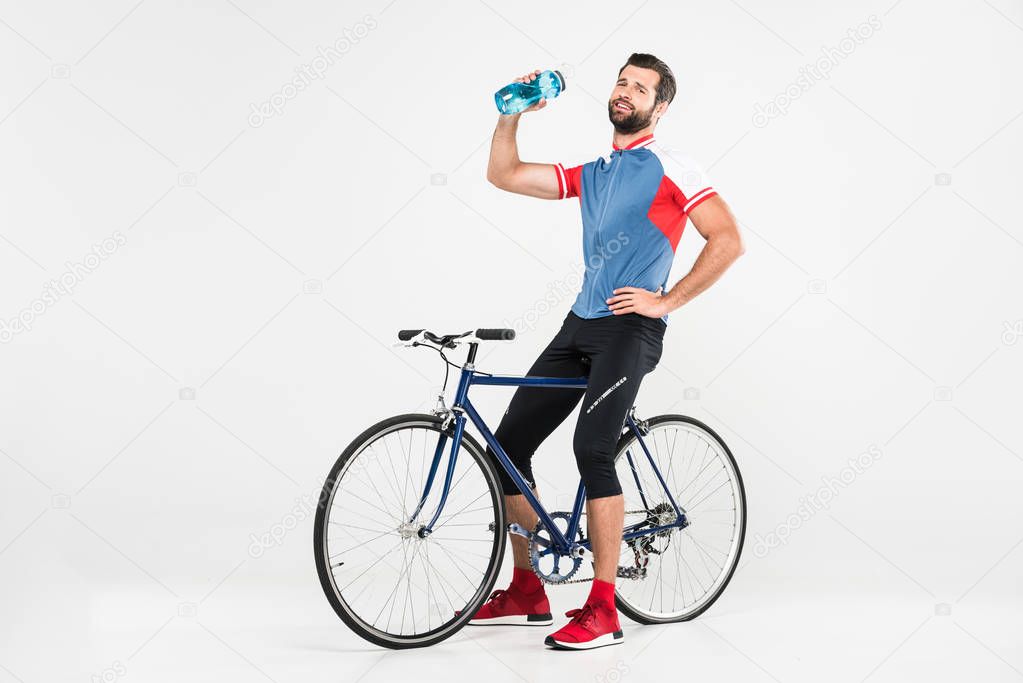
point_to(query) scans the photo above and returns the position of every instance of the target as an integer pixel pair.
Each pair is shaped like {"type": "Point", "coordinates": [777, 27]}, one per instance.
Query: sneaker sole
{"type": "Point", "coordinates": [616, 638]}
{"type": "Point", "coordinates": [516, 620]}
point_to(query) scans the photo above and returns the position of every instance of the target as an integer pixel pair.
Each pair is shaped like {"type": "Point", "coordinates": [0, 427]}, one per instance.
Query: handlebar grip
{"type": "Point", "coordinates": [405, 335]}
{"type": "Point", "coordinates": [496, 334]}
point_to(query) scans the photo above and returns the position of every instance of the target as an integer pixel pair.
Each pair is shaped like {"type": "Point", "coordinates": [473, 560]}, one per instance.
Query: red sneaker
{"type": "Point", "coordinates": [514, 607]}
{"type": "Point", "coordinates": [595, 625]}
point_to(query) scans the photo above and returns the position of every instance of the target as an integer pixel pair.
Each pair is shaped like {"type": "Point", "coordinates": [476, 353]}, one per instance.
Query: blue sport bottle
{"type": "Point", "coordinates": [516, 97]}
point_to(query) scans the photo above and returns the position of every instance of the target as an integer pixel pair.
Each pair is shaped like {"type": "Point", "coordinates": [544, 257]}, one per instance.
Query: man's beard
{"type": "Point", "coordinates": [633, 122]}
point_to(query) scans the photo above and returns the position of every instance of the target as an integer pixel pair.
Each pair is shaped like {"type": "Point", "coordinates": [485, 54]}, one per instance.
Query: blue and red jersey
{"type": "Point", "coordinates": [635, 203]}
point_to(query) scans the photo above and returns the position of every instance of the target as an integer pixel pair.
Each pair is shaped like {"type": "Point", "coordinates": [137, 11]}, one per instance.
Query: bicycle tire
{"type": "Point", "coordinates": [470, 446]}
{"type": "Point", "coordinates": [628, 437]}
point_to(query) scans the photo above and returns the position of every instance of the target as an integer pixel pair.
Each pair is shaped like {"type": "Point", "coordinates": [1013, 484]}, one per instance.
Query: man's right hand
{"type": "Point", "coordinates": [528, 78]}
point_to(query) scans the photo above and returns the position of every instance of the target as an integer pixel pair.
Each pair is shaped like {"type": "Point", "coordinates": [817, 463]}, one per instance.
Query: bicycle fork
{"type": "Point", "coordinates": [438, 454]}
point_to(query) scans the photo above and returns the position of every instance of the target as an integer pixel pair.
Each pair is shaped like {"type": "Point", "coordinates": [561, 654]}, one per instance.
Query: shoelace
{"type": "Point", "coordinates": [583, 616]}
{"type": "Point", "coordinates": [498, 597]}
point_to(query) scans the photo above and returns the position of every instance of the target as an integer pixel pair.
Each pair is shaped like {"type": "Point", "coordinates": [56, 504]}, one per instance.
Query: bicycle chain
{"type": "Point", "coordinates": [622, 572]}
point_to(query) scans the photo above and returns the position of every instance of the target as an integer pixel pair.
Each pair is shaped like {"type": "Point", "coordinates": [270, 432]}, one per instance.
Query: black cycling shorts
{"type": "Point", "coordinates": [615, 352]}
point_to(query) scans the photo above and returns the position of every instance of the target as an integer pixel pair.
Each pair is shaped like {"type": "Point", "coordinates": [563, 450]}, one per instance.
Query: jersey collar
{"type": "Point", "coordinates": [636, 144]}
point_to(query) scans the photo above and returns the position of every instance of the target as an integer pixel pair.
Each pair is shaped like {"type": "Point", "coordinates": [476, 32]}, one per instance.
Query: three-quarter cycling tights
{"type": "Point", "coordinates": [615, 352]}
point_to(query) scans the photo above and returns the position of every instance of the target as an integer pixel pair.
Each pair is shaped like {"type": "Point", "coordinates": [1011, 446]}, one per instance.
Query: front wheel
{"type": "Point", "coordinates": [686, 569]}
{"type": "Point", "coordinates": [391, 585]}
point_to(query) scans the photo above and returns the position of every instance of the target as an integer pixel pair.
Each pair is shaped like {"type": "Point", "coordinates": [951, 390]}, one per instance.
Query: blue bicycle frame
{"type": "Point", "coordinates": [462, 407]}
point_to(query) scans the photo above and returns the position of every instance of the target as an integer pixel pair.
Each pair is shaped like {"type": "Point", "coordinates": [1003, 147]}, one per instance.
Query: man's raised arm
{"type": "Point", "coordinates": [506, 171]}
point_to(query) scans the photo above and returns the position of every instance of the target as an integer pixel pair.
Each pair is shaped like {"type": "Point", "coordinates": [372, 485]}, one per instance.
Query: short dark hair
{"type": "Point", "coordinates": [666, 84]}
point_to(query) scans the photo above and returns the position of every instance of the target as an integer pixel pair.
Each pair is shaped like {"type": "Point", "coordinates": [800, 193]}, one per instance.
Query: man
{"type": "Point", "coordinates": [635, 203]}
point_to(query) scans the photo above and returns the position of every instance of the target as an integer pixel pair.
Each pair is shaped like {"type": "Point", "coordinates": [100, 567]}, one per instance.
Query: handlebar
{"type": "Point", "coordinates": [451, 340]}
{"type": "Point", "coordinates": [495, 334]}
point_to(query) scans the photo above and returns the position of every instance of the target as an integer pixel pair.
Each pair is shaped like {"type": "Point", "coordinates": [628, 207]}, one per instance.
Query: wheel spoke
{"type": "Point", "coordinates": [686, 568]}
{"type": "Point", "coordinates": [409, 589]}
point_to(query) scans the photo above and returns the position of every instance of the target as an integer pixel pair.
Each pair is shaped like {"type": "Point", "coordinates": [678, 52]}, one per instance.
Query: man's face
{"type": "Point", "coordinates": [631, 107]}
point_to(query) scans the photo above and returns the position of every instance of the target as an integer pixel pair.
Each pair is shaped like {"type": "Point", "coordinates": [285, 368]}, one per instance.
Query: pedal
{"type": "Point", "coordinates": [518, 530]}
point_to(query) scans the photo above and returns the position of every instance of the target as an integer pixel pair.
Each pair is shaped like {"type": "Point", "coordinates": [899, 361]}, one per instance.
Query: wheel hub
{"type": "Point", "coordinates": [662, 514]}
{"type": "Point", "coordinates": [408, 530]}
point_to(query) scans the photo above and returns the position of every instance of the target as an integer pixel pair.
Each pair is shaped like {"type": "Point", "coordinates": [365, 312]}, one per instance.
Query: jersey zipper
{"type": "Point", "coordinates": [607, 200]}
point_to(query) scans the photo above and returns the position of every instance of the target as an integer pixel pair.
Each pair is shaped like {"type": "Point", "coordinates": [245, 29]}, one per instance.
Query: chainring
{"type": "Point", "coordinates": [556, 575]}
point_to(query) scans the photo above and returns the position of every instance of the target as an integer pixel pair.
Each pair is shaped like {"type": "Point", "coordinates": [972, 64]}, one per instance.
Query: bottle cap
{"type": "Point", "coordinates": [562, 79]}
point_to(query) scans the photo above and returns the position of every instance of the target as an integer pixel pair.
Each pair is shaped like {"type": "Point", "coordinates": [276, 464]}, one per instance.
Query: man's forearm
{"type": "Point", "coordinates": [717, 255]}
{"type": "Point", "coordinates": [504, 149]}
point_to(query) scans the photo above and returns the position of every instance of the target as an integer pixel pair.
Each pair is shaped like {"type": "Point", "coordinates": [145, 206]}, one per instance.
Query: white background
{"type": "Point", "coordinates": [195, 388]}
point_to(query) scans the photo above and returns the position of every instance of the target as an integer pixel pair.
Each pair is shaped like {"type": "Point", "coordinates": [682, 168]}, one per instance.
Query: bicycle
{"type": "Point", "coordinates": [380, 510]}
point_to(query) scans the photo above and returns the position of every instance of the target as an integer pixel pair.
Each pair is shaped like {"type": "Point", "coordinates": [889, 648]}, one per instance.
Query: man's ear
{"type": "Point", "coordinates": [660, 109]}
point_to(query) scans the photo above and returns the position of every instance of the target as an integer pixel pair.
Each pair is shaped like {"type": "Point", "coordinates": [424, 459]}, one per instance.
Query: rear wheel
{"type": "Point", "coordinates": [686, 569]}
{"type": "Point", "coordinates": [387, 583]}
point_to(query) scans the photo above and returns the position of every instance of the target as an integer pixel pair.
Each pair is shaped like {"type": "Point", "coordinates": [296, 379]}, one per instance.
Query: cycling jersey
{"type": "Point", "coordinates": [635, 203]}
